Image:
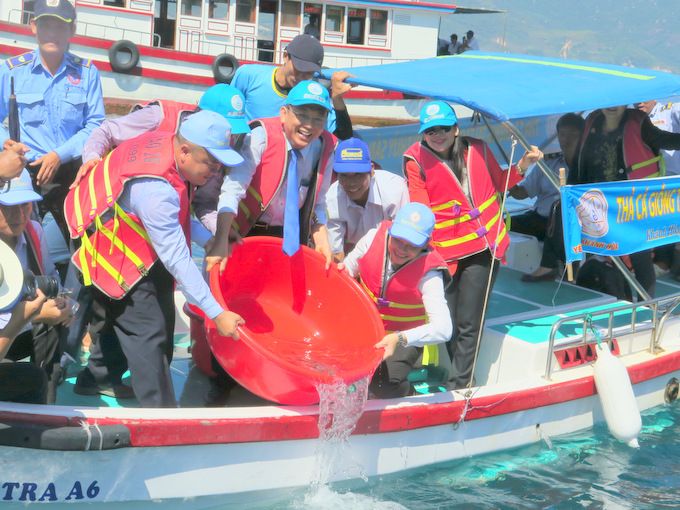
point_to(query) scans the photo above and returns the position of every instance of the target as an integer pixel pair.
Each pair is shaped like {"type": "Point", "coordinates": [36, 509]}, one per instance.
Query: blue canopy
{"type": "Point", "coordinates": [506, 86]}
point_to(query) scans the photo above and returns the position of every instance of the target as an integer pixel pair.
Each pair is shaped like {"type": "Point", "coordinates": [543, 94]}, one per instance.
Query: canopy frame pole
{"type": "Point", "coordinates": [524, 143]}
{"type": "Point", "coordinates": [495, 139]}
{"type": "Point", "coordinates": [552, 178]}
{"type": "Point", "coordinates": [632, 281]}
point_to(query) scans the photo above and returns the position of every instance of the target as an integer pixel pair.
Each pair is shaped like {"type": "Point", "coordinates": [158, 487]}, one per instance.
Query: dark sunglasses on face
{"type": "Point", "coordinates": [437, 129]}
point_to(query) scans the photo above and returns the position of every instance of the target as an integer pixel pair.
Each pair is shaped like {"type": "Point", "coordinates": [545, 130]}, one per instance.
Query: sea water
{"type": "Point", "coordinates": [589, 469]}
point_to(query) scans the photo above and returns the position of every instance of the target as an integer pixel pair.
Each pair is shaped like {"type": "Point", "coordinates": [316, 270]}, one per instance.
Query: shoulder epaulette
{"type": "Point", "coordinates": [20, 60]}
{"type": "Point", "coordinates": [84, 62]}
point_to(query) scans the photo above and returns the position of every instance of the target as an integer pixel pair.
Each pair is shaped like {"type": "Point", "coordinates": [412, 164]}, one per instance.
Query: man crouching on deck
{"type": "Point", "coordinates": [406, 280]}
{"type": "Point", "coordinates": [129, 212]}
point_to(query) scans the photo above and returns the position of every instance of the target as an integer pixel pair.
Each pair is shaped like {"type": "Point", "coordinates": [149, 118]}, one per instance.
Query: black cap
{"type": "Point", "coordinates": [62, 9]}
{"type": "Point", "coordinates": [306, 52]}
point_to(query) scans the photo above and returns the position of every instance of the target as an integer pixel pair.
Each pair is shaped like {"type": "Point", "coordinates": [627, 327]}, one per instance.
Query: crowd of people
{"type": "Point", "coordinates": [273, 154]}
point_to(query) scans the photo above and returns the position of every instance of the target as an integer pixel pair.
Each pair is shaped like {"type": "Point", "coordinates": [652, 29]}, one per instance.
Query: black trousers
{"type": "Point", "coordinates": [42, 344]}
{"type": "Point", "coordinates": [54, 194]}
{"type": "Point", "coordinates": [390, 379]}
{"type": "Point", "coordinates": [22, 382]}
{"type": "Point", "coordinates": [530, 223]}
{"type": "Point", "coordinates": [465, 297]}
{"type": "Point", "coordinates": [135, 332]}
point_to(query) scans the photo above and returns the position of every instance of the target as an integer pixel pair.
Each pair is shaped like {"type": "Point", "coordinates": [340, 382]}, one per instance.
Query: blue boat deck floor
{"type": "Point", "coordinates": [526, 311]}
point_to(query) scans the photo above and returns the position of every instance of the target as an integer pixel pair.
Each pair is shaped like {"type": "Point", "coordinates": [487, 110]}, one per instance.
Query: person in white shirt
{"type": "Point", "coordinates": [469, 42]}
{"type": "Point", "coordinates": [665, 116]}
{"type": "Point", "coordinates": [406, 279]}
{"type": "Point", "coordinates": [361, 198]}
{"type": "Point", "coordinates": [454, 45]}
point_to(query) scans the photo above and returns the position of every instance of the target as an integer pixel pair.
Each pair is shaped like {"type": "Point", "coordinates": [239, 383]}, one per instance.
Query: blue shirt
{"type": "Point", "coordinates": [156, 204]}
{"type": "Point", "coordinates": [263, 98]}
{"type": "Point", "coordinates": [57, 113]}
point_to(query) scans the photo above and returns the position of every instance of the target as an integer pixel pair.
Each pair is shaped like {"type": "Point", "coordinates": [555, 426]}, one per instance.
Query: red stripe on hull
{"type": "Point", "coordinates": [174, 432]}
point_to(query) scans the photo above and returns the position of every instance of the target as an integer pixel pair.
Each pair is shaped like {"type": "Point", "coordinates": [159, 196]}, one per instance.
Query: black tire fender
{"type": "Point", "coordinates": [123, 56]}
{"type": "Point", "coordinates": [224, 67]}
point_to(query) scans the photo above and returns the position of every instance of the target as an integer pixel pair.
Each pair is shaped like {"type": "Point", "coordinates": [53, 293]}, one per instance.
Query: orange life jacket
{"type": "Point", "coordinates": [271, 172]}
{"type": "Point", "coordinates": [172, 112]}
{"type": "Point", "coordinates": [116, 251]}
{"type": "Point", "coordinates": [463, 228]}
{"type": "Point", "coordinates": [640, 159]}
{"type": "Point", "coordinates": [398, 299]}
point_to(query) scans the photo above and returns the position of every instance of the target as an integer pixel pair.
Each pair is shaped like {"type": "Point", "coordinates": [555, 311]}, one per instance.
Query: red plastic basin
{"type": "Point", "coordinates": [304, 325]}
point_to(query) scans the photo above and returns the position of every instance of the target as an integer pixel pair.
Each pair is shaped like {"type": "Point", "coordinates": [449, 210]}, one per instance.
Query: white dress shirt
{"type": "Point", "coordinates": [237, 181]}
{"type": "Point", "coordinates": [348, 221]}
{"type": "Point", "coordinates": [438, 327]}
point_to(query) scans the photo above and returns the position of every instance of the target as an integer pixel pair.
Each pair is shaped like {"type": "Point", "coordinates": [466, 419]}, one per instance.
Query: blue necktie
{"type": "Point", "coordinates": [291, 214]}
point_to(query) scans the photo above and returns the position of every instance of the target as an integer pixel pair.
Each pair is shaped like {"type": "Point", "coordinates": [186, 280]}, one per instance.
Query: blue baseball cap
{"type": "Point", "coordinates": [19, 191]}
{"type": "Point", "coordinates": [62, 9]}
{"type": "Point", "coordinates": [436, 113]}
{"type": "Point", "coordinates": [309, 92]}
{"type": "Point", "coordinates": [212, 132]}
{"type": "Point", "coordinates": [229, 102]}
{"type": "Point", "coordinates": [352, 156]}
{"type": "Point", "coordinates": [413, 223]}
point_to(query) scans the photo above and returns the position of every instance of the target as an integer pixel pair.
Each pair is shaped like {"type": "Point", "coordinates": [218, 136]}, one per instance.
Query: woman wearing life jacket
{"type": "Point", "coordinates": [619, 143]}
{"type": "Point", "coordinates": [406, 279]}
{"type": "Point", "coordinates": [459, 179]}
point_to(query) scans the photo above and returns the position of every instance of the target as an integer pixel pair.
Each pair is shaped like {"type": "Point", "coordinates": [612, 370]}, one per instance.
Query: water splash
{"type": "Point", "coordinates": [340, 406]}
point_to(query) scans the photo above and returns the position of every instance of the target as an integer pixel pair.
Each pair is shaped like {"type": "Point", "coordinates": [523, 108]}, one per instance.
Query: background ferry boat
{"type": "Point", "coordinates": [175, 49]}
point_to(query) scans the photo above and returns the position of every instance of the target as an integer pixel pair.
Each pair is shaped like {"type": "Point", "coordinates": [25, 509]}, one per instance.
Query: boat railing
{"type": "Point", "coordinates": [251, 49]}
{"type": "Point", "coordinates": [661, 308]}
{"type": "Point", "coordinates": [89, 29]}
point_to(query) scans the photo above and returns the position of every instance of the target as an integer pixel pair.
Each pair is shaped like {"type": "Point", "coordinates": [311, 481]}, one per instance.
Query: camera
{"type": "Point", "coordinates": [49, 285]}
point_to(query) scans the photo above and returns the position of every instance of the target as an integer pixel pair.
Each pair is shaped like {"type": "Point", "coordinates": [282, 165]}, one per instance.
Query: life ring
{"type": "Point", "coordinates": [224, 67]}
{"type": "Point", "coordinates": [123, 56]}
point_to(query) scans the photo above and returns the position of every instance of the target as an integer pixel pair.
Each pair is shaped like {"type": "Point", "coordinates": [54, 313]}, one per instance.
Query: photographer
{"type": "Point", "coordinates": [21, 382]}
{"type": "Point", "coordinates": [39, 340]}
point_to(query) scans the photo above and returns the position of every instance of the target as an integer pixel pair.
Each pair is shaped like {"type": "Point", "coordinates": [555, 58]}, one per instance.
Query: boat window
{"type": "Point", "coordinates": [378, 24]}
{"type": "Point", "coordinates": [335, 18]}
{"type": "Point", "coordinates": [245, 11]}
{"type": "Point", "coordinates": [312, 19]}
{"type": "Point", "coordinates": [191, 7]}
{"type": "Point", "coordinates": [290, 13]}
{"type": "Point", "coordinates": [356, 21]}
{"type": "Point", "coordinates": [115, 3]}
{"type": "Point", "coordinates": [218, 9]}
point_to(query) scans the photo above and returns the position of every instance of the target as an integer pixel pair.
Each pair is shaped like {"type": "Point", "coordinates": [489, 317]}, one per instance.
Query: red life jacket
{"type": "Point", "coordinates": [33, 240]}
{"type": "Point", "coordinates": [462, 228]}
{"type": "Point", "coordinates": [640, 159]}
{"type": "Point", "coordinates": [118, 253]}
{"type": "Point", "coordinates": [271, 172]}
{"type": "Point", "coordinates": [398, 299]}
{"type": "Point", "coordinates": [172, 112]}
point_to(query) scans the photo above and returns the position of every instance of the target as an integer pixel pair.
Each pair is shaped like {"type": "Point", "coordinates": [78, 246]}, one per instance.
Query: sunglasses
{"type": "Point", "coordinates": [437, 129]}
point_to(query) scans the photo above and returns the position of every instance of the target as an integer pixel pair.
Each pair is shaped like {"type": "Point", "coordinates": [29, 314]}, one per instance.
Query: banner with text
{"type": "Point", "coordinates": [622, 217]}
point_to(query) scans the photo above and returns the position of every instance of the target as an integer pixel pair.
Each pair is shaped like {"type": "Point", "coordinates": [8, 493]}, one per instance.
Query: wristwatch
{"type": "Point", "coordinates": [401, 339]}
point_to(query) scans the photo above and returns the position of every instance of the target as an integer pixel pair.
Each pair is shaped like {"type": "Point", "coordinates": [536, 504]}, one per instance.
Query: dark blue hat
{"type": "Point", "coordinates": [62, 9]}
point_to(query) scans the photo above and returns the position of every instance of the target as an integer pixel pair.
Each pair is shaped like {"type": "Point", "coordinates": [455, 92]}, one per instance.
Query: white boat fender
{"type": "Point", "coordinates": [617, 397]}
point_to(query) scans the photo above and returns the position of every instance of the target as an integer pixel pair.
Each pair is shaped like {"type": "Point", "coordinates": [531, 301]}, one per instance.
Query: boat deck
{"type": "Point", "coordinates": [525, 311]}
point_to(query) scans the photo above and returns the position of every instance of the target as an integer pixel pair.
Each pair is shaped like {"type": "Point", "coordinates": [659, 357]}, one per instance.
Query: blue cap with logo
{"type": "Point", "coordinates": [62, 9]}
{"type": "Point", "coordinates": [413, 223]}
{"type": "Point", "coordinates": [352, 156]}
{"type": "Point", "coordinates": [212, 132]}
{"type": "Point", "coordinates": [309, 92]}
{"type": "Point", "coordinates": [229, 102]}
{"type": "Point", "coordinates": [436, 113]}
{"type": "Point", "coordinates": [19, 191]}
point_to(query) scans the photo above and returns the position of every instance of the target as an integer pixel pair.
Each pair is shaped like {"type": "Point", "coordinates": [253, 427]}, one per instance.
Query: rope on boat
{"type": "Point", "coordinates": [469, 395]}
{"type": "Point", "coordinates": [87, 428]}
{"type": "Point", "coordinates": [493, 260]}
